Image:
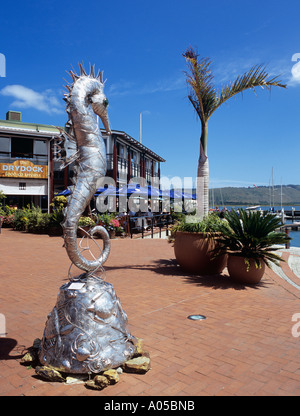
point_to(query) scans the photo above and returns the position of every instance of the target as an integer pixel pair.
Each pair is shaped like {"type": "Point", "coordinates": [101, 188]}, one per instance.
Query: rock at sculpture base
{"type": "Point", "coordinates": [112, 376]}
{"type": "Point", "coordinates": [49, 373]}
{"type": "Point", "coordinates": [139, 365]}
{"type": "Point", "coordinates": [86, 332]}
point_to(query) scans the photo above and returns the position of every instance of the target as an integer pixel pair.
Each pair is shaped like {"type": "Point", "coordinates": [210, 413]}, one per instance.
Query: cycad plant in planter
{"type": "Point", "coordinates": [250, 239]}
{"type": "Point", "coordinates": [194, 241]}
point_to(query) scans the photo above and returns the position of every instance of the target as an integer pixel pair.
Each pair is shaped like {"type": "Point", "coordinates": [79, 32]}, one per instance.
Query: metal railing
{"type": "Point", "coordinates": [35, 158]}
{"type": "Point", "coordinates": [143, 223]}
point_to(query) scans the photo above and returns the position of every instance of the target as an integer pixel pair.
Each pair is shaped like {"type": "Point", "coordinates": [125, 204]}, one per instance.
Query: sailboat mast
{"type": "Point", "coordinates": [281, 193]}
{"type": "Point", "coordinates": [272, 187]}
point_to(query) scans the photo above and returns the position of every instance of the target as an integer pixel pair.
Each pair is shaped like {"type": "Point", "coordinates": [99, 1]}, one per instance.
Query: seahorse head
{"type": "Point", "coordinates": [86, 94]}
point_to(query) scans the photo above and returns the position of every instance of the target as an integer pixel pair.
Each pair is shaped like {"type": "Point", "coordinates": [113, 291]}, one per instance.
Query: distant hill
{"type": "Point", "coordinates": [262, 195]}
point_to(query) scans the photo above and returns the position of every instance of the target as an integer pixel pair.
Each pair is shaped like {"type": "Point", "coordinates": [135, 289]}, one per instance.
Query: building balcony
{"type": "Point", "coordinates": [36, 159]}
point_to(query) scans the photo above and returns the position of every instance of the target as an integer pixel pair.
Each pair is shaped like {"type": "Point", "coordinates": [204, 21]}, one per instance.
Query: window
{"type": "Point", "coordinates": [134, 156]}
{"type": "Point", "coordinates": [22, 148]}
{"type": "Point", "coordinates": [40, 147]}
{"type": "Point", "coordinates": [22, 186]}
{"type": "Point", "coordinates": [120, 149]}
{"type": "Point", "coordinates": [4, 146]}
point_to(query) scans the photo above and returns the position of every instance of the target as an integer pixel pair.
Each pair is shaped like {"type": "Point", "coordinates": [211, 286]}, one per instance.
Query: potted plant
{"type": "Point", "coordinates": [111, 223]}
{"type": "Point", "coordinates": [194, 242]}
{"type": "Point", "coordinates": [249, 239]}
{"type": "Point", "coordinates": [84, 225]}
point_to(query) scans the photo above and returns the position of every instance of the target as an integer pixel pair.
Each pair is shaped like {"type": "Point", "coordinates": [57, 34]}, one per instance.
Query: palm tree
{"type": "Point", "coordinates": [206, 99]}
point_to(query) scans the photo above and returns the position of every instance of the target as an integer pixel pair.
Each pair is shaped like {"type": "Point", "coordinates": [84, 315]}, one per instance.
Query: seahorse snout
{"type": "Point", "coordinates": [99, 105]}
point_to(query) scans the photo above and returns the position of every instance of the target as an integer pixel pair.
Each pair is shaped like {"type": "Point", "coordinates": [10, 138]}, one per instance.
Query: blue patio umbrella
{"type": "Point", "coordinates": [128, 190]}
{"type": "Point", "coordinates": [99, 191]}
{"type": "Point", "coordinates": [109, 191]}
{"type": "Point", "coordinates": [147, 191]}
{"type": "Point", "coordinates": [65, 192]}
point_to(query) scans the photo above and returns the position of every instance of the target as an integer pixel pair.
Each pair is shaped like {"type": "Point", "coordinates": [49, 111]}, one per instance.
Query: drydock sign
{"type": "Point", "coordinates": [23, 169]}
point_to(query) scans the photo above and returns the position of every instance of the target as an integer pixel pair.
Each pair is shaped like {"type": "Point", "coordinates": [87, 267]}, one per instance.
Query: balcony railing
{"type": "Point", "coordinates": [36, 159]}
{"type": "Point", "coordinates": [135, 169]}
{"type": "Point", "coordinates": [122, 164]}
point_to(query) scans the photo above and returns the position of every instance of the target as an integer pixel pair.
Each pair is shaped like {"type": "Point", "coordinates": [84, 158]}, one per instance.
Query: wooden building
{"type": "Point", "coordinates": [30, 174]}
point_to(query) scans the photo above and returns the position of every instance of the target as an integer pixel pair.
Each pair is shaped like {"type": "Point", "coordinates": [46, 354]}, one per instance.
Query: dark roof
{"type": "Point", "coordinates": [137, 144]}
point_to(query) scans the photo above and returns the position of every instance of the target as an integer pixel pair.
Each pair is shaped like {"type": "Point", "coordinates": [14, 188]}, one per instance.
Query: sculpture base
{"type": "Point", "coordinates": [86, 330]}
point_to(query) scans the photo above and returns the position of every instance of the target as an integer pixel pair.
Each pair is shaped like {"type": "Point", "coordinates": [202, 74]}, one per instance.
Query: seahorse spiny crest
{"type": "Point", "coordinates": [75, 77]}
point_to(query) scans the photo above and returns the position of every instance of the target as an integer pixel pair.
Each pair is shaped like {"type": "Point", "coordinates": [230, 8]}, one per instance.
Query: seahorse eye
{"type": "Point", "coordinates": [105, 103]}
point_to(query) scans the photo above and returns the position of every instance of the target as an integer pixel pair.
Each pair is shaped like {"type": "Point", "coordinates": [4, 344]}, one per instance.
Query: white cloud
{"type": "Point", "coordinates": [27, 98]}
{"type": "Point", "coordinates": [295, 79]}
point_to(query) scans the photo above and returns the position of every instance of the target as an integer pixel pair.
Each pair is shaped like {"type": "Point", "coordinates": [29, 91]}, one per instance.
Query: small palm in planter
{"type": "Point", "coordinates": [249, 241]}
{"type": "Point", "coordinates": [194, 241]}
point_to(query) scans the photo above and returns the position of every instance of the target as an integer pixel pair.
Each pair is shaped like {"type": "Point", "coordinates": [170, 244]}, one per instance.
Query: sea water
{"type": "Point", "coordinates": [295, 241]}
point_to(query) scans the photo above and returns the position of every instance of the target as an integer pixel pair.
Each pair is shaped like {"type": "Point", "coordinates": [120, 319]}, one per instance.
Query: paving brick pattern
{"type": "Point", "coordinates": [244, 346]}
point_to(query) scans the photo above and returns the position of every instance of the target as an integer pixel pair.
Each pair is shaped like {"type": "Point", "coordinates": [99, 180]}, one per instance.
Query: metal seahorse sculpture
{"type": "Point", "coordinates": [84, 145]}
{"type": "Point", "coordinates": [86, 332]}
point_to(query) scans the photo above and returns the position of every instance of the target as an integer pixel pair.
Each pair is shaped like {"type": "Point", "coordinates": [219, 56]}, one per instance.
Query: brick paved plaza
{"type": "Point", "coordinates": [244, 347]}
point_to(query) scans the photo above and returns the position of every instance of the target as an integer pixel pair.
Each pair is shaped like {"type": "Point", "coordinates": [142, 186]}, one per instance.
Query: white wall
{"type": "Point", "coordinates": [33, 186]}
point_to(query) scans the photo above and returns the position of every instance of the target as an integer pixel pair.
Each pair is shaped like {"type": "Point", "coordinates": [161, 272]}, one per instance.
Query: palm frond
{"type": "Point", "coordinates": [200, 80]}
{"type": "Point", "coordinates": [203, 94]}
{"type": "Point", "coordinates": [257, 76]}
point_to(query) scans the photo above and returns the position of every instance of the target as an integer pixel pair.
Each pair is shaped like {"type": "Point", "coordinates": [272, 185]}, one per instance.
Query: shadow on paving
{"type": "Point", "coordinates": [7, 345]}
{"type": "Point", "coordinates": [171, 268]}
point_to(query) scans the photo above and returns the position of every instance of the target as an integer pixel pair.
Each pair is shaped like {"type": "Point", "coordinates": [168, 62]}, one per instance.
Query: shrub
{"type": "Point", "coordinates": [37, 222]}
{"type": "Point", "coordinates": [86, 222]}
{"type": "Point", "coordinates": [9, 221]}
{"type": "Point", "coordinates": [32, 220]}
{"type": "Point", "coordinates": [110, 222]}
{"type": "Point", "coordinates": [209, 224]}
{"type": "Point", "coordinates": [2, 198]}
{"type": "Point", "coordinates": [21, 218]}
{"type": "Point", "coordinates": [58, 204]}
{"type": "Point", "coordinates": [212, 223]}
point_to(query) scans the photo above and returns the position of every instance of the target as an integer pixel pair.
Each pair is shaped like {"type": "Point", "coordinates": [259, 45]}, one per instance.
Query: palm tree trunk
{"type": "Point", "coordinates": [203, 177]}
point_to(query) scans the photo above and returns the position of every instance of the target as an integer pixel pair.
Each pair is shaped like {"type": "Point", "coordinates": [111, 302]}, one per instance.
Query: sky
{"type": "Point", "coordinates": [139, 46]}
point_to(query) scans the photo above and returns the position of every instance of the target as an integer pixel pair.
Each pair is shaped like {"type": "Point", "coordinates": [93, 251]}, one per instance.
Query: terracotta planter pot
{"type": "Point", "coordinates": [112, 234]}
{"type": "Point", "coordinates": [192, 252]}
{"type": "Point", "coordinates": [237, 269]}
